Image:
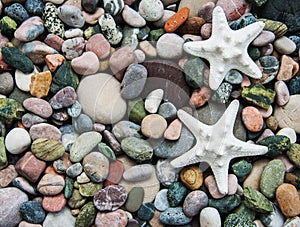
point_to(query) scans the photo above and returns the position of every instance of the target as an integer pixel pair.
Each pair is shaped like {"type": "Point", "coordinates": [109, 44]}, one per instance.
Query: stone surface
{"type": "Point", "coordinates": [136, 148]}
{"type": "Point", "coordinates": [288, 200]}
{"type": "Point", "coordinates": [153, 126]}
{"type": "Point", "coordinates": [252, 119]}
{"type": "Point", "coordinates": [86, 64]}
{"type": "Point", "coordinates": [138, 173]}
{"type": "Point", "coordinates": [210, 217]}
{"type": "Point", "coordinates": [174, 216]}
{"type": "Point", "coordinates": [135, 199]}
{"type": "Point", "coordinates": [47, 149]}
{"type": "Point", "coordinates": [161, 202]}
{"type": "Point", "coordinates": [38, 106]}
{"type": "Point", "coordinates": [194, 202]}
{"type": "Point", "coordinates": [51, 184]}
{"type": "Point", "coordinates": [191, 177]}
{"type": "Point", "coordinates": [17, 140]}
{"type": "Point", "coordinates": [7, 175]}
{"type": "Point", "coordinates": [96, 166]}
{"type": "Point", "coordinates": [32, 212]}
{"type": "Point", "coordinates": [63, 218]}
{"type": "Point", "coordinates": [117, 217]}
{"type": "Point", "coordinates": [169, 46]}
{"type": "Point", "coordinates": [256, 200]}
{"type": "Point", "coordinates": [86, 215]}
{"type": "Point", "coordinates": [54, 203]}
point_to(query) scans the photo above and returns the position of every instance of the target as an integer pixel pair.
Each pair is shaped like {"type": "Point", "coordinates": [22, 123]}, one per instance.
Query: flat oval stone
{"type": "Point", "coordinates": [17, 140]}
{"type": "Point", "coordinates": [153, 126]}
{"type": "Point", "coordinates": [170, 46]}
{"type": "Point", "coordinates": [45, 130]}
{"type": "Point", "coordinates": [47, 149]}
{"type": "Point", "coordinates": [83, 123]}
{"type": "Point", "coordinates": [174, 216]}
{"type": "Point", "coordinates": [132, 17]}
{"type": "Point", "coordinates": [30, 29]}
{"type": "Point", "coordinates": [29, 119]}
{"type": "Point", "coordinates": [136, 148]}
{"type": "Point", "coordinates": [51, 184]}
{"type": "Point", "coordinates": [117, 217]}
{"type": "Point", "coordinates": [83, 145]}
{"type": "Point", "coordinates": [194, 202]}
{"type": "Point", "coordinates": [288, 200]}
{"type": "Point", "coordinates": [71, 15]}
{"type": "Point", "coordinates": [11, 200]}
{"type": "Point", "coordinates": [210, 217]}
{"type": "Point", "coordinates": [103, 91]}
{"type": "Point", "coordinates": [138, 173]}
{"type": "Point", "coordinates": [110, 198]}
{"type": "Point", "coordinates": [135, 199]}
{"type": "Point", "coordinates": [96, 166]}
{"type": "Point", "coordinates": [63, 98]}
{"type": "Point", "coordinates": [6, 83]}
{"type": "Point", "coordinates": [32, 212]}
{"type": "Point", "coordinates": [86, 64]}
{"type": "Point", "coordinates": [252, 119]}
{"type": "Point", "coordinates": [282, 93]}
{"type": "Point", "coordinates": [38, 106]}
{"type": "Point", "coordinates": [161, 202]}
{"type": "Point", "coordinates": [284, 45]}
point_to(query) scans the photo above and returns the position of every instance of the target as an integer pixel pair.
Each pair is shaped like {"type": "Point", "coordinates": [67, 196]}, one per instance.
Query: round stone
{"type": "Point", "coordinates": [6, 83]}
{"type": "Point", "coordinates": [17, 140]}
{"type": "Point", "coordinates": [252, 119]}
{"type": "Point", "coordinates": [47, 149]}
{"type": "Point", "coordinates": [96, 166]}
{"type": "Point", "coordinates": [83, 123]}
{"type": "Point", "coordinates": [284, 45]}
{"type": "Point", "coordinates": [288, 200]}
{"type": "Point", "coordinates": [86, 64]}
{"type": "Point", "coordinates": [32, 212]}
{"type": "Point", "coordinates": [151, 10]}
{"type": "Point", "coordinates": [194, 202]}
{"type": "Point", "coordinates": [100, 98]}
{"type": "Point", "coordinates": [170, 46]}
{"type": "Point", "coordinates": [153, 126]}
{"type": "Point", "coordinates": [210, 217]}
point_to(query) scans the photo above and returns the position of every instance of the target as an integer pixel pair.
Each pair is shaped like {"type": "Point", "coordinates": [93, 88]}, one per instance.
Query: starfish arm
{"type": "Point", "coordinates": [242, 149]}
{"type": "Point", "coordinates": [188, 158]}
{"type": "Point", "coordinates": [192, 123]}
{"type": "Point", "coordinates": [198, 48]}
{"type": "Point", "coordinates": [221, 175]}
{"type": "Point", "coordinates": [219, 22]}
{"type": "Point", "coordinates": [250, 32]}
{"type": "Point", "coordinates": [248, 66]}
{"type": "Point", "coordinates": [228, 117]}
{"type": "Point", "coordinates": [216, 75]}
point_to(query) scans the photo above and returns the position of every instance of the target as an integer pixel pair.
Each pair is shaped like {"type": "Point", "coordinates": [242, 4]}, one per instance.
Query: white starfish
{"type": "Point", "coordinates": [216, 145]}
{"type": "Point", "coordinates": [226, 49]}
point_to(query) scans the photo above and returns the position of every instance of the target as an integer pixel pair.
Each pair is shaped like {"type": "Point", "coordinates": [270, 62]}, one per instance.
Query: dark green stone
{"type": "Point", "coordinates": [76, 200]}
{"type": "Point", "coordinates": [69, 186]}
{"type": "Point", "coordinates": [19, 95]}
{"type": "Point", "coordinates": [234, 220]}
{"type": "Point", "coordinates": [107, 151]}
{"type": "Point", "coordinates": [3, 157]}
{"type": "Point", "coordinates": [89, 189]}
{"type": "Point", "coordinates": [258, 95]}
{"type": "Point", "coordinates": [276, 144]}
{"type": "Point", "coordinates": [226, 204]}
{"type": "Point", "coordinates": [64, 76]}
{"type": "Point", "coordinates": [176, 193]}
{"type": "Point", "coordinates": [136, 110]}
{"type": "Point", "coordinates": [8, 26]}
{"type": "Point", "coordinates": [137, 149]}
{"type": "Point", "coordinates": [294, 154]}
{"type": "Point", "coordinates": [10, 110]}
{"type": "Point", "coordinates": [256, 200]}
{"type": "Point", "coordinates": [245, 212]}
{"type": "Point", "coordinates": [155, 34]}
{"type": "Point", "coordinates": [15, 58]}
{"type": "Point", "coordinates": [241, 169]}
{"type": "Point", "coordinates": [294, 86]}
{"type": "Point", "coordinates": [259, 2]}
{"type": "Point", "coordinates": [86, 215]}
{"type": "Point", "coordinates": [243, 21]}
{"type": "Point", "coordinates": [254, 52]}
{"type": "Point", "coordinates": [194, 72]}
{"type": "Point", "coordinates": [146, 211]}
{"type": "Point", "coordinates": [90, 31]}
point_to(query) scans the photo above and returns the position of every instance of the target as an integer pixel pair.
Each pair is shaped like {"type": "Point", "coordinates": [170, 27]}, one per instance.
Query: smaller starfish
{"type": "Point", "coordinates": [226, 49]}
{"type": "Point", "coordinates": [216, 145]}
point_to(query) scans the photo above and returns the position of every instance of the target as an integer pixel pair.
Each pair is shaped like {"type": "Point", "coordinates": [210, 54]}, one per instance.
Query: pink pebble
{"type": "Point", "coordinates": [54, 41]}
{"type": "Point", "coordinates": [252, 119]}
{"type": "Point", "coordinates": [206, 30]}
{"type": "Point", "coordinates": [99, 45]}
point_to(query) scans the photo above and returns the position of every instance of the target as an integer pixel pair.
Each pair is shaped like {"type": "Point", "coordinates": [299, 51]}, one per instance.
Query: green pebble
{"type": "Point", "coordinates": [226, 204]}
{"type": "Point", "coordinates": [272, 177]}
{"type": "Point", "coordinates": [19, 95]}
{"type": "Point", "coordinates": [194, 72]}
{"type": "Point", "coordinates": [8, 26]}
{"type": "Point", "coordinates": [234, 220]}
{"type": "Point", "coordinates": [277, 27]}
{"type": "Point", "coordinates": [15, 58]}
{"type": "Point", "coordinates": [155, 34]}
{"type": "Point", "coordinates": [107, 151]}
{"type": "Point", "coordinates": [245, 212]}
{"type": "Point", "coordinates": [256, 200]}
{"type": "Point", "coordinates": [86, 215]}
{"type": "Point", "coordinates": [241, 169]}
{"type": "Point", "coordinates": [135, 199]}
{"type": "Point", "coordinates": [64, 76]}
{"type": "Point", "coordinates": [47, 149]}
{"type": "Point", "coordinates": [258, 95]}
{"type": "Point", "coordinates": [254, 52]}
{"type": "Point", "coordinates": [89, 189]}
{"type": "Point", "coordinates": [76, 200]}
{"type": "Point", "coordinates": [136, 110]}
{"type": "Point", "coordinates": [137, 149]}
{"type": "Point", "coordinates": [294, 154]}
{"type": "Point", "coordinates": [90, 31]}
{"type": "Point", "coordinates": [10, 110]}
{"type": "Point", "coordinates": [69, 186]}
{"type": "Point", "coordinates": [3, 157]}
{"type": "Point", "coordinates": [176, 193]}
{"type": "Point", "coordinates": [276, 144]}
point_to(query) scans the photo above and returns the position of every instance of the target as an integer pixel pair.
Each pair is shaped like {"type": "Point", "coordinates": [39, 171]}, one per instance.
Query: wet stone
{"type": "Point", "coordinates": [125, 129]}
{"type": "Point", "coordinates": [194, 70]}
{"type": "Point", "coordinates": [135, 199]}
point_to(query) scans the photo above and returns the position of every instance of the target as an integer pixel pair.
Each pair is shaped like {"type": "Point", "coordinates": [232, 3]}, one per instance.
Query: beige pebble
{"type": "Point", "coordinates": [289, 132]}
{"type": "Point", "coordinates": [288, 68]}
{"type": "Point", "coordinates": [148, 48]}
{"type": "Point", "coordinates": [174, 130]}
{"type": "Point", "coordinates": [51, 184]}
{"type": "Point", "coordinates": [153, 126]}
{"type": "Point", "coordinates": [253, 179]}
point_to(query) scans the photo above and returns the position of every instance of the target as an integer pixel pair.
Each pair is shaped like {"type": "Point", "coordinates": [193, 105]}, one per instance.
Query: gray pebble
{"type": "Point", "coordinates": [161, 202]}
{"type": "Point", "coordinates": [168, 111]}
{"type": "Point", "coordinates": [234, 77]}
{"type": "Point", "coordinates": [125, 129]}
{"type": "Point", "coordinates": [174, 216]}
{"type": "Point", "coordinates": [74, 170]}
{"type": "Point", "coordinates": [71, 15]}
{"type": "Point", "coordinates": [75, 109]}
{"type": "Point", "coordinates": [83, 124]}
{"type": "Point", "coordinates": [30, 119]}
{"type": "Point", "coordinates": [6, 83]}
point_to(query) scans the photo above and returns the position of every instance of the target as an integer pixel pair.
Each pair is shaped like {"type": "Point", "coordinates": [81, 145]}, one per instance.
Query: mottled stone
{"type": "Point", "coordinates": [32, 212]}
{"type": "Point", "coordinates": [241, 169]}
{"type": "Point", "coordinates": [276, 144]}
{"type": "Point", "coordinates": [47, 149]}
{"type": "Point", "coordinates": [10, 110]}
{"type": "Point", "coordinates": [174, 216]}
{"type": "Point", "coordinates": [194, 202]}
{"type": "Point", "coordinates": [17, 12]}
{"type": "Point", "coordinates": [210, 217]}
{"type": "Point", "coordinates": [235, 219]}
{"type": "Point", "coordinates": [7, 175]}
{"type": "Point", "coordinates": [125, 129]}
{"type": "Point", "coordinates": [288, 200]}
{"type": "Point", "coordinates": [86, 215]}
{"type": "Point", "coordinates": [226, 204]}
{"type": "Point", "coordinates": [137, 149]}
{"type": "Point", "coordinates": [176, 193]}
{"type": "Point", "coordinates": [170, 46]}
{"type": "Point", "coordinates": [117, 217]}
{"type": "Point", "coordinates": [96, 166]}
{"type": "Point", "coordinates": [73, 48]}
{"type": "Point", "coordinates": [29, 29]}
{"type": "Point", "coordinates": [63, 98]}
{"type": "Point", "coordinates": [110, 29]}
{"type": "Point", "coordinates": [45, 130]}
{"type": "Point", "coordinates": [194, 70]}
{"type": "Point", "coordinates": [136, 110]}
{"type": "Point", "coordinates": [191, 177]}
{"type": "Point", "coordinates": [256, 200]}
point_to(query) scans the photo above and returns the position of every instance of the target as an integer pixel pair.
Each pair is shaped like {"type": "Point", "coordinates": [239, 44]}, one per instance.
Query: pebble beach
{"type": "Point", "coordinates": [128, 113]}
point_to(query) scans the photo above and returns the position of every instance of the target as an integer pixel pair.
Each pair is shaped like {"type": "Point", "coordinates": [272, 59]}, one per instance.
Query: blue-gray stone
{"type": "Point", "coordinates": [17, 12]}
{"type": "Point", "coordinates": [146, 211]}
{"type": "Point", "coordinates": [125, 129]}
{"type": "Point", "coordinates": [174, 216]}
{"type": "Point", "coordinates": [243, 21]}
{"type": "Point", "coordinates": [83, 124]}
{"type": "Point", "coordinates": [168, 111]}
{"type": "Point", "coordinates": [296, 40]}
{"type": "Point", "coordinates": [32, 211]}
{"type": "Point", "coordinates": [34, 7]}
{"type": "Point", "coordinates": [176, 193]}
{"type": "Point", "coordinates": [222, 94]}
{"type": "Point", "coordinates": [234, 77]}
{"type": "Point", "coordinates": [75, 109]}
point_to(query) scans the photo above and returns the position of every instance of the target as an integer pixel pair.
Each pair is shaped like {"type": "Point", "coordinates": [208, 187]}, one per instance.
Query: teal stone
{"type": "Point", "coordinates": [91, 30]}
{"type": "Point", "coordinates": [3, 157]}
{"type": "Point", "coordinates": [174, 216]}
{"type": "Point", "coordinates": [176, 193]}
{"type": "Point", "coordinates": [107, 151]}
{"type": "Point", "coordinates": [241, 169]}
{"type": "Point", "coordinates": [69, 186]}
{"type": "Point", "coordinates": [8, 26]}
{"type": "Point", "coordinates": [226, 204]}
{"type": "Point", "coordinates": [137, 149]}
{"type": "Point", "coordinates": [86, 215]}
{"type": "Point", "coordinates": [272, 177]}
{"type": "Point", "coordinates": [136, 110]}
{"type": "Point", "coordinates": [89, 189]}
{"type": "Point", "coordinates": [276, 144]}
{"type": "Point", "coordinates": [254, 53]}
{"type": "Point", "coordinates": [244, 212]}
{"type": "Point", "coordinates": [10, 110]}
{"type": "Point", "coordinates": [243, 21]}
{"type": "Point", "coordinates": [15, 58]}
{"type": "Point", "coordinates": [64, 76]}
{"type": "Point", "coordinates": [234, 220]}
{"type": "Point", "coordinates": [234, 77]}
{"type": "Point", "coordinates": [146, 211]}
{"type": "Point", "coordinates": [294, 86]}
{"type": "Point", "coordinates": [256, 200]}
{"type": "Point", "coordinates": [294, 154]}
{"type": "Point", "coordinates": [194, 72]}
{"type": "Point", "coordinates": [155, 34]}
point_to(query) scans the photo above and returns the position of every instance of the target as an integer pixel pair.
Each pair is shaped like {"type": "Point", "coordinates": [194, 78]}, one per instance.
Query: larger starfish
{"type": "Point", "coordinates": [216, 145]}
{"type": "Point", "coordinates": [226, 49]}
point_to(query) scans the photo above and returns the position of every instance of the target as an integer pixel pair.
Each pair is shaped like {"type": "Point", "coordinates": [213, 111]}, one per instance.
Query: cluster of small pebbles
{"type": "Point", "coordinates": [89, 93]}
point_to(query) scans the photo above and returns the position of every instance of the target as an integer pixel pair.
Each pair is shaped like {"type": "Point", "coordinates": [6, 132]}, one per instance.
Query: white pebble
{"type": "Point", "coordinates": [17, 141]}
{"type": "Point", "coordinates": [282, 93]}
{"type": "Point", "coordinates": [140, 55]}
{"type": "Point", "coordinates": [153, 100]}
{"type": "Point", "coordinates": [210, 217]}
{"type": "Point", "coordinates": [23, 80]}
{"type": "Point", "coordinates": [289, 132]}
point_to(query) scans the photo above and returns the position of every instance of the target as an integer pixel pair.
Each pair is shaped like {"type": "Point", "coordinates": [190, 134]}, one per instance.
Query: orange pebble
{"type": "Point", "coordinates": [177, 19]}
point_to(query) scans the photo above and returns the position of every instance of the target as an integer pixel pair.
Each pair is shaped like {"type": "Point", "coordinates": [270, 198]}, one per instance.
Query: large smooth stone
{"type": "Point", "coordinates": [100, 98]}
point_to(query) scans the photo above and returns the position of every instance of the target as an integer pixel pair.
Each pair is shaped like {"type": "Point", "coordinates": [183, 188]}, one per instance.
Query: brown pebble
{"type": "Point", "coordinates": [54, 203]}
{"type": "Point", "coordinates": [288, 200]}
{"type": "Point", "coordinates": [115, 173]}
{"type": "Point", "coordinates": [288, 68]}
{"type": "Point", "coordinates": [174, 130]}
{"type": "Point", "coordinates": [40, 84]}
{"type": "Point", "coordinates": [191, 177]}
{"type": "Point", "coordinates": [51, 184]}
{"type": "Point", "coordinates": [53, 61]}
{"type": "Point", "coordinates": [192, 26]}
{"type": "Point", "coordinates": [252, 119]}
{"type": "Point", "coordinates": [200, 97]}
{"type": "Point", "coordinates": [155, 221]}
{"type": "Point", "coordinates": [7, 175]}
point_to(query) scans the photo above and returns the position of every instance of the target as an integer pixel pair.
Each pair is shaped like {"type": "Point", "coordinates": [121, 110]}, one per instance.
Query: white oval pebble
{"type": "Point", "coordinates": [73, 32]}
{"type": "Point", "coordinates": [284, 45]}
{"type": "Point", "coordinates": [282, 93]}
{"type": "Point", "coordinates": [138, 173]}
{"type": "Point", "coordinates": [153, 100]}
{"type": "Point", "coordinates": [23, 80]}
{"type": "Point", "coordinates": [289, 132]}
{"type": "Point", "coordinates": [17, 141]}
{"type": "Point", "coordinates": [170, 46]}
{"type": "Point", "coordinates": [151, 10]}
{"type": "Point", "coordinates": [132, 17]}
{"type": "Point", "coordinates": [210, 217]}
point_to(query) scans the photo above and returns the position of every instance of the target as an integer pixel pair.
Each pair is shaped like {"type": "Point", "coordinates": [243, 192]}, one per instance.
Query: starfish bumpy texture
{"type": "Point", "coordinates": [216, 145]}
{"type": "Point", "coordinates": [226, 49]}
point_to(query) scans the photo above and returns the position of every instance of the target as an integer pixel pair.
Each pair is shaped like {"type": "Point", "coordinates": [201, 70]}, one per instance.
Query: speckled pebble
{"type": "Point", "coordinates": [151, 10]}
{"type": "Point", "coordinates": [252, 119]}
{"type": "Point", "coordinates": [32, 212]}
{"type": "Point", "coordinates": [83, 123]}
{"type": "Point", "coordinates": [170, 46]}
{"type": "Point", "coordinates": [6, 83]}
{"type": "Point", "coordinates": [38, 106]}
{"type": "Point", "coordinates": [194, 202]}
{"type": "Point", "coordinates": [174, 216]}
{"type": "Point", "coordinates": [161, 202]}
{"type": "Point", "coordinates": [73, 48]}
{"type": "Point", "coordinates": [96, 166]}
{"type": "Point", "coordinates": [71, 15]}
